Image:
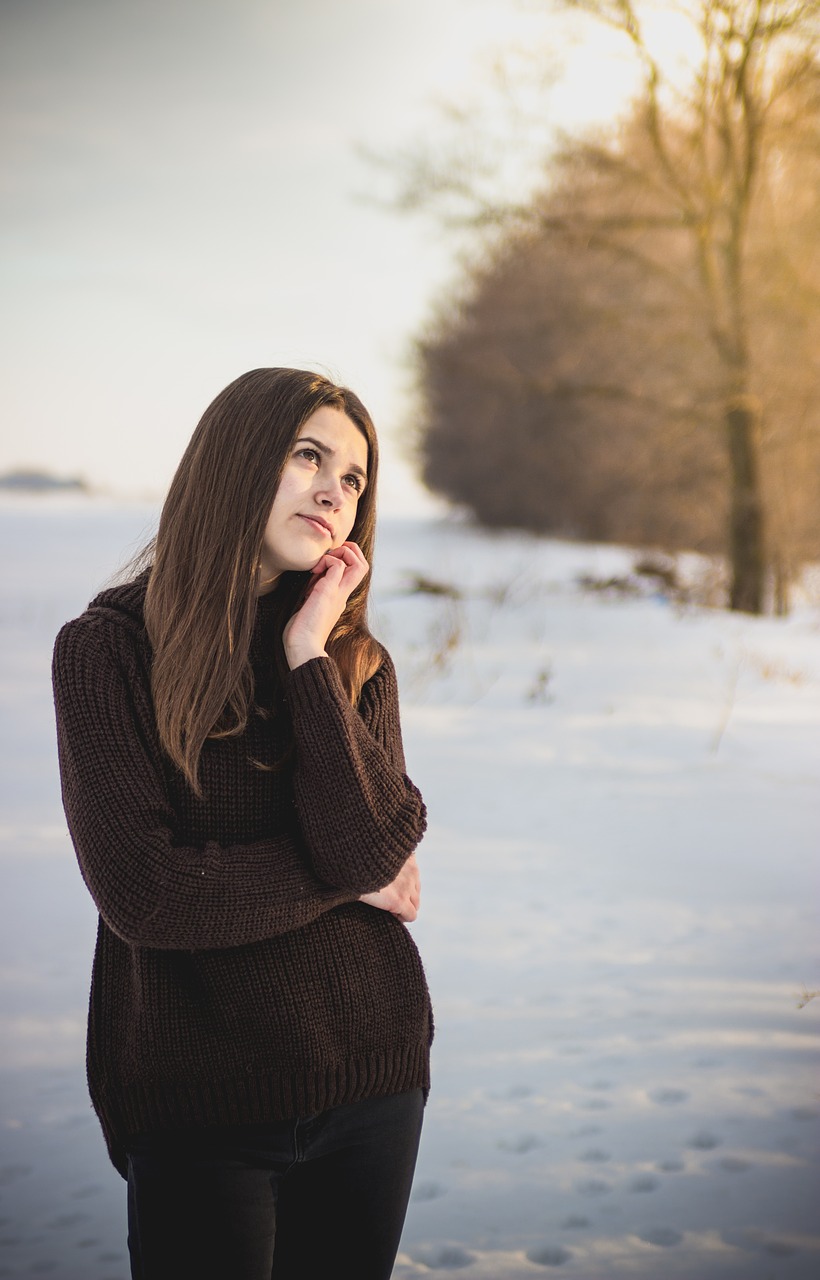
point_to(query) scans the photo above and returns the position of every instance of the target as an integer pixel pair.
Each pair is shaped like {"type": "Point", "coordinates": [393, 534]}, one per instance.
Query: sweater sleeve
{"type": "Point", "coordinates": [151, 890]}
{"type": "Point", "coordinates": [361, 815]}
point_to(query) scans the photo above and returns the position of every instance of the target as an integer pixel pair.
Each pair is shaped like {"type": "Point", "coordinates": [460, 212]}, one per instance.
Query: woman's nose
{"type": "Point", "coordinates": [330, 494]}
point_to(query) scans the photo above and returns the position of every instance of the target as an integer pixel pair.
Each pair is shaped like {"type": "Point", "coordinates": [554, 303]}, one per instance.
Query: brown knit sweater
{"type": "Point", "coordinates": [237, 978]}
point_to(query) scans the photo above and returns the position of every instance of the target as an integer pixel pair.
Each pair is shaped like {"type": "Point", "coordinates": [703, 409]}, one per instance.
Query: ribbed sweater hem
{"type": "Point", "coordinates": [259, 1098]}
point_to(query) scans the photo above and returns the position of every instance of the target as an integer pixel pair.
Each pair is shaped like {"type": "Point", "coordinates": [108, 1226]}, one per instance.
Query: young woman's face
{"type": "Point", "coordinates": [315, 504]}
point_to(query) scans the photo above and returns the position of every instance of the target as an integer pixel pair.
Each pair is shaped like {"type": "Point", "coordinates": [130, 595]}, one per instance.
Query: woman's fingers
{"type": "Point", "coordinates": [350, 554]}
{"type": "Point", "coordinates": [348, 559]}
{"type": "Point", "coordinates": [343, 568]}
{"type": "Point", "coordinates": [335, 576]}
{"type": "Point", "coordinates": [402, 896]}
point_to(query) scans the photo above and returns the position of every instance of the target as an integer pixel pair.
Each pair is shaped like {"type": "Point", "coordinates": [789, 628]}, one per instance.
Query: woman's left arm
{"type": "Point", "coordinates": [360, 814]}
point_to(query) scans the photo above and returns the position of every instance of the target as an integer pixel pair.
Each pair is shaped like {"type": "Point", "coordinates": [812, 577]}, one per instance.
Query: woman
{"type": "Point", "coordinates": [233, 779]}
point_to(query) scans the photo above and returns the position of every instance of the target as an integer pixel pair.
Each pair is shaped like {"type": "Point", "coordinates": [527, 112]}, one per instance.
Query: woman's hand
{"type": "Point", "coordinates": [336, 575]}
{"type": "Point", "coordinates": [401, 897]}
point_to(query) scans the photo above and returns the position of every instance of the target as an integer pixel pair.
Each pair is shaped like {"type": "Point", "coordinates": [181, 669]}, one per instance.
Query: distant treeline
{"type": "Point", "coordinates": [33, 481]}
{"type": "Point", "coordinates": [636, 356]}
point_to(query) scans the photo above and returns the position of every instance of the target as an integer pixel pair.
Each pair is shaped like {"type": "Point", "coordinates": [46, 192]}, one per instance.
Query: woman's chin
{"type": "Point", "coordinates": [308, 566]}
{"type": "Point", "coordinates": [293, 563]}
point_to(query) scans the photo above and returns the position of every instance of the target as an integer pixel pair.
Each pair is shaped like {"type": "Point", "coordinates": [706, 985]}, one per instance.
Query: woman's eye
{"type": "Point", "coordinates": [313, 456]}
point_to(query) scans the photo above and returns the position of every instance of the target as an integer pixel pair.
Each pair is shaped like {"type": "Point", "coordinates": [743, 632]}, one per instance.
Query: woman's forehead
{"type": "Point", "coordinates": [340, 435]}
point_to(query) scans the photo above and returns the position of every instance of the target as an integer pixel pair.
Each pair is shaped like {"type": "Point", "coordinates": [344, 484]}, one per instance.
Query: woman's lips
{"type": "Point", "coordinates": [318, 524]}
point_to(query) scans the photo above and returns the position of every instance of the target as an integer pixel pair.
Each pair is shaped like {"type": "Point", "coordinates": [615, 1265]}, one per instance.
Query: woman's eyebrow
{"type": "Point", "coordinates": [330, 453]}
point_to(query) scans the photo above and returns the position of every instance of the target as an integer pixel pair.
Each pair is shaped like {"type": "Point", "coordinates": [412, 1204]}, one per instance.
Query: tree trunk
{"type": "Point", "coordinates": [781, 585]}
{"type": "Point", "coordinates": [747, 532]}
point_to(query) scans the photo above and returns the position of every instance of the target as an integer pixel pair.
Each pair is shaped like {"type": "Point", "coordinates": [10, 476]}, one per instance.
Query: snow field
{"type": "Point", "coordinates": [619, 902]}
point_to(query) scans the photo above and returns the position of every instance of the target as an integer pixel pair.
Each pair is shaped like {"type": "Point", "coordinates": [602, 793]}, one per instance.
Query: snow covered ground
{"type": "Point", "coordinates": [619, 913]}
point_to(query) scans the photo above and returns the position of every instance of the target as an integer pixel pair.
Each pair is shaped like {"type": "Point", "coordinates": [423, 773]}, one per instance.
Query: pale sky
{"type": "Point", "coordinates": [180, 203]}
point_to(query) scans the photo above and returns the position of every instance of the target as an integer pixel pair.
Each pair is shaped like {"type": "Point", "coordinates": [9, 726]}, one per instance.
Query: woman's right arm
{"type": "Point", "coordinates": [151, 890]}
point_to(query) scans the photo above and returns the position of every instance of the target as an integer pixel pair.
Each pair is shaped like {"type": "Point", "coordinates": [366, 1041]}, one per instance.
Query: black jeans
{"type": "Point", "coordinates": [304, 1199]}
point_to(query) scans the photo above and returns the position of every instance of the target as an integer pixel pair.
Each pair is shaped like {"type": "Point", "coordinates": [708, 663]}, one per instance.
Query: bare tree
{"type": "Point", "coordinates": [552, 395]}
{"type": "Point", "coordinates": [738, 83]}
{"type": "Point", "coordinates": [705, 165]}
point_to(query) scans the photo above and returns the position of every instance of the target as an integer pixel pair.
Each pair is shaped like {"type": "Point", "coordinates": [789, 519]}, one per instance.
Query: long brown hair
{"type": "Point", "coordinates": [201, 600]}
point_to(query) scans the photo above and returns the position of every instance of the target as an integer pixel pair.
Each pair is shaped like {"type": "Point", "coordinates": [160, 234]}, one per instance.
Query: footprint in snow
{"type": "Point", "coordinates": [663, 1237]}
{"type": "Point", "coordinates": [446, 1257]}
{"type": "Point", "coordinates": [595, 1156]}
{"type": "Point", "coordinates": [593, 1187]}
{"type": "Point", "coordinates": [423, 1191]}
{"type": "Point", "coordinates": [670, 1166]}
{"type": "Point", "coordinates": [518, 1091]}
{"type": "Point", "coordinates": [574, 1222]}
{"type": "Point", "coordinates": [668, 1097]}
{"type": "Point", "coordinates": [548, 1255]}
{"type": "Point", "coordinates": [779, 1248]}
{"type": "Point", "coordinates": [753, 1239]}
{"type": "Point", "coordinates": [703, 1140]}
{"type": "Point", "coordinates": [521, 1145]}
{"type": "Point", "coordinates": [644, 1182]}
